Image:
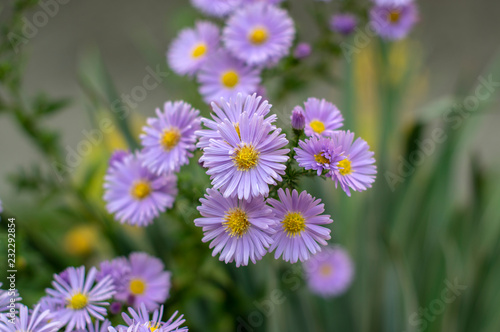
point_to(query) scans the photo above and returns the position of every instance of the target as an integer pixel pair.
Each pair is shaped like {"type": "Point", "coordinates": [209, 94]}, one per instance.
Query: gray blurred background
{"type": "Point", "coordinates": [458, 37]}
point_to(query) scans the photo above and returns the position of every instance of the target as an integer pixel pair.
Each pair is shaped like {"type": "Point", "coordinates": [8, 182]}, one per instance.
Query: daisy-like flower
{"type": "Point", "coordinates": [232, 110]}
{"type": "Point", "coordinates": [192, 47]}
{"type": "Point", "coordinates": [154, 323]}
{"type": "Point", "coordinates": [300, 225]}
{"type": "Point", "coordinates": [259, 34]}
{"type": "Point", "coordinates": [5, 299]}
{"type": "Point", "coordinates": [136, 195]}
{"type": "Point", "coordinates": [169, 139]}
{"type": "Point", "coordinates": [343, 23]}
{"type": "Point", "coordinates": [79, 298]}
{"type": "Point", "coordinates": [319, 154]}
{"type": "Point", "coordinates": [217, 8]}
{"type": "Point", "coordinates": [119, 271]}
{"type": "Point", "coordinates": [147, 283]}
{"type": "Point", "coordinates": [26, 322]}
{"type": "Point", "coordinates": [393, 22]}
{"type": "Point", "coordinates": [322, 117]}
{"type": "Point", "coordinates": [223, 76]}
{"type": "Point", "coordinates": [240, 230]}
{"type": "Point", "coordinates": [246, 161]}
{"type": "Point", "coordinates": [330, 272]}
{"type": "Point", "coordinates": [356, 169]}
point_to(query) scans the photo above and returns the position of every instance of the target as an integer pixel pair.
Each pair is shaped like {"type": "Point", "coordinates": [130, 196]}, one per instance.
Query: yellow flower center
{"type": "Point", "coordinates": [317, 126]}
{"type": "Point", "coordinates": [246, 157]}
{"type": "Point", "coordinates": [170, 138]}
{"type": "Point", "coordinates": [137, 286]}
{"type": "Point", "coordinates": [153, 326]}
{"type": "Point", "coordinates": [230, 79]}
{"type": "Point", "coordinates": [236, 222]}
{"type": "Point", "coordinates": [325, 270]}
{"type": "Point", "coordinates": [199, 50]}
{"type": "Point", "coordinates": [394, 16]}
{"type": "Point", "coordinates": [78, 301]}
{"type": "Point", "coordinates": [320, 159]}
{"type": "Point", "coordinates": [141, 190]}
{"type": "Point", "coordinates": [294, 223]}
{"type": "Point", "coordinates": [258, 35]}
{"type": "Point", "coordinates": [345, 166]}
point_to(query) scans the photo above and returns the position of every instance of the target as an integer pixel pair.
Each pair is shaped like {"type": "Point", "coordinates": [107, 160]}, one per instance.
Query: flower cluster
{"type": "Point", "coordinates": [228, 61]}
{"type": "Point", "coordinates": [79, 300]}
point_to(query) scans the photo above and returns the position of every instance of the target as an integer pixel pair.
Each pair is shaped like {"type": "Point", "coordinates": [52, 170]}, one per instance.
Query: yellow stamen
{"type": "Point", "coordinates": [258, 36]}
{"type": "Point", "coordinates": [137, 286]}
{"type": "Point", "coordinates": [236, 222]}
{"type": "Point", "coordinates": [153, 326]}
{"type": "Point", "coordinates": [230, 79]}
{"type": "Point", "coordinates": [78, 301]}
{"type": "Point", "coordinates": [237, 127]}
{"type": "Point", "coordinates": [246, 157]}
{"type": "Point", "coordinates": [141, 190]}
{"type": "Point", "coordinates": [320, 159]}
{"type": "Point", "coordinates": [394, 16]}
{"type": "Point", "coordinates": [325, 270]}
{"type": "Point", "coordinates": [317, 126]}
{"type": "Point", "coordinates": [294, 223]}
{"type": "Point", "coordinates": [345, 166]}
{"type": "Point", "coordinates": [199, 50]}
{"type": "Point", "coordinates": [170, 138]}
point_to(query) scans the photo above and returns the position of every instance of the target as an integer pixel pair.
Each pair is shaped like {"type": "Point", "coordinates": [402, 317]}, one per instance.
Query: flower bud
{"type": "Point", "coordinates": [298, 118]}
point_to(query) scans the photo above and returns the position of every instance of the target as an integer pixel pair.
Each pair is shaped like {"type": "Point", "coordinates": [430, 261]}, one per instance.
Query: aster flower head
{"type": "Point", "coordinates": [300, 229]}
{"type": "Point", "coordinates": [147, 282]}
{"type": "Point", "coordinates": [169, 140]}
{"type": "Point", "coordinates": [240, 230]}
{"type": "Point", "coordinates": [119, 271]}
{"type": "Point", "coordinates": [247, 159]}
{"type": "Point", "coordinates": [259, 34]}
{"type": "Point", "coordinates": [356, 169]}
{"type": "Point", "coordinates": [140, 320]}
{"type": "Point", "coordinates": [393, 22]}
{"type": "Point", "coordinates": [322, 117]}
{"type": "Point", "coordinates": [136, 195]}
{"type": "Point", "coordinates": [302, 51]}
{"type": "Point", "coordinates": [343, 23]}
{"type": "Point", "coordinates": [319, 154]}
{"type": "Point", "coordinates": [223, 76]}
{"type": "Point", "coordinates": [217, 8]}
{"type": "Point", "coordinates": [26, 322]}
{"type": "Point", "coordinates": [81, 298]}
{"type": "Point", "coordinates": [192, 47]}
{"type": "Point", "coordinates": [232, 110]}
{"type": "Point", "coordinates": [330, 272]}
{"type": "Point", "coordinates": [5, 299]}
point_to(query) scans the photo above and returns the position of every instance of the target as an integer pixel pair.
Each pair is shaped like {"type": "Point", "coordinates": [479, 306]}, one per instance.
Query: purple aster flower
{"type": "Point", "coordinates": [223, 76]}
{"type": "Point", "coordinates": [119, 271]}
{"type": "Point", "coordinates": [356, 169]}
{"type": "Point", "coordinates": [5, 299]}
{"type": "Point", "coordinates": [300, 227]}
{"type": "Point", "coordinates": [259, 34]}
{"type": "Point", "coordinates": [79, 298]}
{"type": "Point", "coordinates": [319, 154]}
{"type": "Point", "coordinates": [134, 194]}
{"type": "Point", "coordinates": [53, 306]}
{"type": "Point", "coordinates": [154, 323]}
{"type": "Point", "coordinates": [169, 139]}
{"type": "Point", "coordinates": [330, 272]}
{"type": "Point", "coordinates": [217, 8]}
{"type": "Point", "coordinates": [298, 118]}
{"type": "Point", "coordinates": [192, 47]}
{"type": "Point", "coordinates": [302, 51]}
{"type": "Point", "coordinates": [232, 110]}
{"type": "Point", "coordinates": [322, 117]}
{"type": "Point", "coordinates": [240, 230]}
{"type": "Point", "coordinates": [393, 22]}
{"type": "Point", "coordinates": [246, 161]}
{"type": "Point", "coordinates": [343, 23]}
{"type": "Point", "coordinates": [26, 322]}
{"type": "Point", "coordinates": [148, 282]}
